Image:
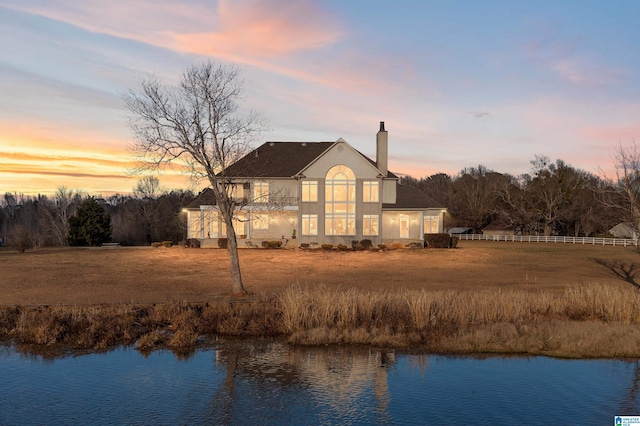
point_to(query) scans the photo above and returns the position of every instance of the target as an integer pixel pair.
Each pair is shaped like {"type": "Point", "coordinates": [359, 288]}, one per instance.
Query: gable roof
{"type": "Point", "coordinates": [277, 159]}
{"type": "Point", "coordinates": [283, 159]}
{"type": "Point", "coordinates": [204, 198]}
{"type": "Point", "coordinates": [410, 197]}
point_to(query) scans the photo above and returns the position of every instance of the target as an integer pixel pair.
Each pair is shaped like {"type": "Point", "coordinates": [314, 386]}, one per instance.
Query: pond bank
{"type": "Point", "coordinates": [585, 322]}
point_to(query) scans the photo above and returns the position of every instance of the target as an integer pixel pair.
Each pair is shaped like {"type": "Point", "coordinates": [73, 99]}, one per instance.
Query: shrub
{"type": "Point", "coordinates": [167, 243]}
{"type": "Point", "coordinates": [382, 247]}
{"type": "Point", "coordinates": [342, 247]}
{"type": "Point", "coordinates": [156, 245]}
{"type": "Point", "coordinates": [222, 243]}
{"type": "Point", "coordinates": [438, 240]}
{"type": "Point", "coordinates": [193, 243]}
{"type": "Point", "coordinates": [327, 246]}
{"type": "Point", "coordinates": [271, 244]}
{"type": "Point", "coordinates": [358, 247]}
{"type": "Point", "coordinates": [304, 245]}
{"type": "Point", "coordinates": [366, 244]}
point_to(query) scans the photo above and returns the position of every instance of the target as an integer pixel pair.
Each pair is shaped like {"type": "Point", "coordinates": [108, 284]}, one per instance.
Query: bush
{"type": "Point", "coordinates": [167, 243]}
{"type": "Point", "coordinates": [156, 245]}
{"type": "Point", "coordinates": [193, 243]}
{"type": "Point", "coordinates": [272, 244]}
{"type": "Point", "coordinates": [443, 240]}
{"type": "Point", "coordinates": [222, 243]}
{"type": "Point", "coordinates": [327, 246]}
{"type": "Point", "coordinates": [304, 245]}
{"type": "Point", "coordinates": [366, 244]}
{"type": "Point", "coordinates": [342, 247]}
{"type": "Point", "coordinates": [382, 247]}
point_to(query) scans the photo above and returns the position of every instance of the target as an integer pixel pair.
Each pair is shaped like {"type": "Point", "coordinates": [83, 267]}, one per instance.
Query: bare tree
{"type": "Point", "coordinates": [623, 195]}
{"type": "Point", "coordinates": [197, 121]}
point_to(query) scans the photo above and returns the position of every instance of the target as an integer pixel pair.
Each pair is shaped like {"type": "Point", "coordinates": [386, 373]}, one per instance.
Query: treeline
{"type": "Point", "coordinates": [71, 217]}
{"type": "Point", "coordinates": [553, 199]}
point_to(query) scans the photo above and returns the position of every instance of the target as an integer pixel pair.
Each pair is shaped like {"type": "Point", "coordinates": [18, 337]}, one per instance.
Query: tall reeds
{"type": "Point", "coordinates": [472, 320]}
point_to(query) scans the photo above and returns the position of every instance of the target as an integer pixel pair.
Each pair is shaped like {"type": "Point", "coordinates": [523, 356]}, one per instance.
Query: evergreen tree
{"type": "Point", "coordinates": [90, 226]}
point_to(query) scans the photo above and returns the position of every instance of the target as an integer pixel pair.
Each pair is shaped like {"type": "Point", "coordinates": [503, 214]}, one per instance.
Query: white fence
{"type": "Point", "coordinates": [625, 242]}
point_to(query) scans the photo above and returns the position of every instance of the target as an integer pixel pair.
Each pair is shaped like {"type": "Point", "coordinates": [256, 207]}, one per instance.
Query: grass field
{"type": "Point", "coordinates": [145, 275]}
{"type": "Point", "coordinates": [561, 300]}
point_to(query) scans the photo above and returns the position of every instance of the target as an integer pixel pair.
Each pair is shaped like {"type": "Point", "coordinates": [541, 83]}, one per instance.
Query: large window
{"type": "Point", "coordinates": [261, 221]}
{"type": "Point", "coordinates": [309, 224]}
{"type": "Point", "coordinates": [236, 191]}
{"type": "Point", "coordinates": [370, 224]}
{"type": "Point", "coordinates": [261, 192]}
{"type": "Point", "coordinates": [340, 201]}
{"type": "Point", "coordinates": [431, 224]}
{"type": "Point", "coordinates": [309, 190]}
{"type": "Point", "coordinates": [370, 191]}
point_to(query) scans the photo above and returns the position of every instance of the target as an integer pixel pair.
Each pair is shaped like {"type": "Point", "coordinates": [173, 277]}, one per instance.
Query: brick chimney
{"type": "Point", "coordinates": [382, 150]}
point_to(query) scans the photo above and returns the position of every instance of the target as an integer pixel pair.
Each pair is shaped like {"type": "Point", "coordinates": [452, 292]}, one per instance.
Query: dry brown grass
{"type": "Point", "coordinates": [561, 300]}
{"type": "Point", "coordinates": [145, 275]}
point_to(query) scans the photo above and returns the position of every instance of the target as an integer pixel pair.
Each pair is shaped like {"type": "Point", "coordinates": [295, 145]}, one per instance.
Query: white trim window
{"type": "Point", "coordinates": [340, 201]}
{"type": "Point", "coordinates": [309, 191]}
{"type": "Point", "coordinates": [370, 225]}
{"type": "Point", "coordinates": [431, 224]}
{"type": "Point", "coordinates": [309, 224]}
{"type": "Point", "coordinates": [261, 192]}
{"type": "Point", "coordinates": [261, 221]}
{"type": "Point", "coordinates": [370, 191]}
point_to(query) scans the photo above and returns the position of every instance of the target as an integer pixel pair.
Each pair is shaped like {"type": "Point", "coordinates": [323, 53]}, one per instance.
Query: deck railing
{"type": "Point", "coordinates": [625, 242]}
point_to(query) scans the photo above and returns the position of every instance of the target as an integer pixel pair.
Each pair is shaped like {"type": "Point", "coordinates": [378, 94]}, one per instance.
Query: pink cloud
{"type": "Point", "coordinates": [239, 28]}
{"type": "Point", "coordinates": [262, 29]}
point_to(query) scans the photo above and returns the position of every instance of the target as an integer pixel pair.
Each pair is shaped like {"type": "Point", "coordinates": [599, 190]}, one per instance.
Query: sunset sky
{"type": "Point", "coordinates": [458, 83]}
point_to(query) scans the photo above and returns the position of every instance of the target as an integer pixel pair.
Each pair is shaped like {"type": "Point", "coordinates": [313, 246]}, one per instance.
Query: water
{"type": "Point", "coordinates": [269, 383]}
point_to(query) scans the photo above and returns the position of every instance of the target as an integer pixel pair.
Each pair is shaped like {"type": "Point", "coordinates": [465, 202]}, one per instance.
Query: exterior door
{"type": "Point", "coordinates": [404, 226]}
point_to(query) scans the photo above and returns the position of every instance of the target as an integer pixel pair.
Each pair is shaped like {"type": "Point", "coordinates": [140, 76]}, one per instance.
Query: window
{"type": "Point", "coordinates": [309, 224]}
{"type": "Point", "coordinates": [261, 221]}
{"type": "Point", "coordinates": [431, 224]}
{"type": "Point", "coordinates": [370, 224]}
{"type": "Point", "coordinates": [370, 191]}
{"type": "Point", "coordinates": [210, 224]}
{"type": "Point", "coordinates": [236, 191]}
{"type": "Point", "coordinates": [340, 201]}
{"type": "Point", "coordinates": [261, 192]}
{"type": "Point", "coordinates": [309, 190]}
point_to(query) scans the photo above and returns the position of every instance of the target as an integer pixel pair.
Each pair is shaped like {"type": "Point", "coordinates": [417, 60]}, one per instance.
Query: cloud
{"type": "Point", "coordinates": [233, 29]}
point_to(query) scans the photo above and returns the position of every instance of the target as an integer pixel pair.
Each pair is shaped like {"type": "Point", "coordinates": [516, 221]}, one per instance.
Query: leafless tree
{"type": "Point", "coordinates": [623, 194]}
{"type": "Point", "coordinates": [198, 122]}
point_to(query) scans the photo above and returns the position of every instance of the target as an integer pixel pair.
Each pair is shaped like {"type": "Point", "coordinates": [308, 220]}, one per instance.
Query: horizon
{"type": "Point", "coordinates": [458, 84]}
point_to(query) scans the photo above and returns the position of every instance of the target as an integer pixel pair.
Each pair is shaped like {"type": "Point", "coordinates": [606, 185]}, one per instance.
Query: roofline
{"type": "Point", "coordinates": [340, 140]}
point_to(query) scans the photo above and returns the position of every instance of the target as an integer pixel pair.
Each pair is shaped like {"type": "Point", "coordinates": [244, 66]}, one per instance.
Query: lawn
{"type": "Point", "coordinates": [145, 275]}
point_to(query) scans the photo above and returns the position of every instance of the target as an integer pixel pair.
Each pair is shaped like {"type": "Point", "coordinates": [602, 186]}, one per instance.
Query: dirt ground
{"type": "Point", "coordinates": [146, 275]}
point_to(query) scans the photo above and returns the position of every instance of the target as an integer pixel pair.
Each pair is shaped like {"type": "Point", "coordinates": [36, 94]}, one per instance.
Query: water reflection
{"type": "Point", "coordinates": [264, 382]}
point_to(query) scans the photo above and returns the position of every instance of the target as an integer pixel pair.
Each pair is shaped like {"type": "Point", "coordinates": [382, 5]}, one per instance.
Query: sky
{"type": "Point", "coordinates": [457, 83]}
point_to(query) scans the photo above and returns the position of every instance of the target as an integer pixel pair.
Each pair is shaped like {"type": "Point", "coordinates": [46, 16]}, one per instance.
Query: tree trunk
{"type": "Point", "coordinates": [234, 260]}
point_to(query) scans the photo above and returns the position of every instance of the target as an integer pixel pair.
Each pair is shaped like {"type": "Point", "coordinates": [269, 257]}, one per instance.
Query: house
{"type": "Point", "coordinates": [624, 230]}
{"type": "Point", "coordinates": [316, 193]}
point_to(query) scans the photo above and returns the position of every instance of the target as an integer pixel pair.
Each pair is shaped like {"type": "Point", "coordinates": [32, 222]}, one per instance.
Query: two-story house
{"type": "Point", "coordinates": [317, 192]}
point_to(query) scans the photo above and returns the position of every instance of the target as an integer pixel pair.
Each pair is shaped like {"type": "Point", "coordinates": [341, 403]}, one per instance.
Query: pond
{"type": "Point", "coordinates": [270, 383]}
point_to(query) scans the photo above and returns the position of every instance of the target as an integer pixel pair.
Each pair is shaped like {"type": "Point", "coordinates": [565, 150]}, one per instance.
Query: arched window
{"type": "Point", "coordinates": [340, 201]}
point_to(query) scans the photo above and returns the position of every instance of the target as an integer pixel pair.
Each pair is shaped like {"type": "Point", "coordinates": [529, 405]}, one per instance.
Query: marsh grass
{"type": "Point", "coordinates": [590, 320]}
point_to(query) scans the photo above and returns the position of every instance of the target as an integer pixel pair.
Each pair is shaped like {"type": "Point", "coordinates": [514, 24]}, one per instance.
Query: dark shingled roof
{"type": "Point", "coordinates": [277, 159]}
{"type": "Point", "coordinates": [205, 198]}
{"type": "Point", "coordinates": [410, 197]}
{"type": "Point", "coordinates": [281, 159]}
